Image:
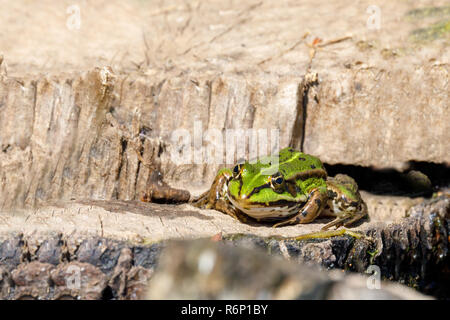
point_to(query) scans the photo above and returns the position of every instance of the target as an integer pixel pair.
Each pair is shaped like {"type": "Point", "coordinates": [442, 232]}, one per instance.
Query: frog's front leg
{"type": "Point", "coordinates": [216, 197]}
{"type": "Point", "coordinates": [316, 201]}
{"type": "Point", "coordinates": [209, 198]}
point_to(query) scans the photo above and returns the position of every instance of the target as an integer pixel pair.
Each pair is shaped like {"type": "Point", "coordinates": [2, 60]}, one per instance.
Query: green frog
{"type": "Point", "coordinates": [290, 187]}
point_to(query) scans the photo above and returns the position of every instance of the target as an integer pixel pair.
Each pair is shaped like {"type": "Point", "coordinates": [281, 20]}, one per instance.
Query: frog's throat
{"type": "Point", "coordinates": [274, 210]}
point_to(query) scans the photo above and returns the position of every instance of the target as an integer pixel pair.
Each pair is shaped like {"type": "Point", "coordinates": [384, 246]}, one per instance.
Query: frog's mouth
{"type": "Point", "coordinates": [271, 211]}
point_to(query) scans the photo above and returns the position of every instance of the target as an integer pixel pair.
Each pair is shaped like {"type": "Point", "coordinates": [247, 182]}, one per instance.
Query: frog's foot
{"type": "Point", "coordinates": [347, 218]}
{"type": "Point", "coordinates": [201, 201]}
{"type": "Point", "coordinates": [215, 197]}
{"type": "Point", "coordinates": [208, 199]}
{"type": "Point", "coordinates": [344, 202]}
{"type": "Point", "coordinates": [310, 210]}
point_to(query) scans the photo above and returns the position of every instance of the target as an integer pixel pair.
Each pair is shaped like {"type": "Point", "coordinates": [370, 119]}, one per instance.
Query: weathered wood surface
{"type": "Point", "coordinates": [381, 98]}
{"type": "Point", "coordinates": [140, 222]}
{"type": "Point", "coordinates": [80, 137]}
{"type": "Point", "coordinates": [408, 245]}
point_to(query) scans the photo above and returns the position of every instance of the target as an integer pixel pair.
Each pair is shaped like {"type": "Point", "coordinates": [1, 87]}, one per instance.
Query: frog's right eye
{"type": "Point", "coordinates": [237, 171]}
{"type": "Point", "coordinates": [277, 182]}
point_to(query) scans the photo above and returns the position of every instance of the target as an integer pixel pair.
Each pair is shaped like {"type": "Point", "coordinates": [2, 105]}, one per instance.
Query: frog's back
{"type": "Point", "coordinates": [293, 162]}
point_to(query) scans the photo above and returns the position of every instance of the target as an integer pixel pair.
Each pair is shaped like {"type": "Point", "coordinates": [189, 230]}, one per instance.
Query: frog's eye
{"type": "Point", "coordinates": [277, 182]}
{"type": "Point", "coordinates": [237, 171]}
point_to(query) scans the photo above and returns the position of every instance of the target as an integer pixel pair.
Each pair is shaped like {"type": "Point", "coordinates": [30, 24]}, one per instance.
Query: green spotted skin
{"type": "Point", "coordinates": [304, 172]}
{"type": "Point", "coordinates": [290, 186]}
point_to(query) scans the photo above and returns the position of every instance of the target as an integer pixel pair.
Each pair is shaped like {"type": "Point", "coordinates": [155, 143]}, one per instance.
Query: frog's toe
{"type": "Point", "coordinates": [338, 222]}
{"type": "Point", "coordinates": [348, 223]}
{"type": "Point", "coordinates": [279, 224]}
{"type": "Point", "coordinates": [362, 212]}
{"type": "Point", "coordinates": [348, 218]}
{"type": "Point", "coordinates": [294, 220]}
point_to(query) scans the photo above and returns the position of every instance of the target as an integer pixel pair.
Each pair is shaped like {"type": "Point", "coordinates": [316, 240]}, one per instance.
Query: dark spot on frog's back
{"type": "Point", "coordinates": [301, 159]}
{"type": "Point", "coordinates": [331, 194]}
{"type": "Point", "coordinates": [313, 166]}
